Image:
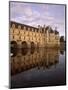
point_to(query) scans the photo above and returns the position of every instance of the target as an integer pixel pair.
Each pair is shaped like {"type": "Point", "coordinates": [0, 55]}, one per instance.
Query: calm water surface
{"type": "Point", "coordinates": [40, 67]}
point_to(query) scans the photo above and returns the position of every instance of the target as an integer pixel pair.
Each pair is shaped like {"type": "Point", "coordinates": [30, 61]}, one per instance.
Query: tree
{"type": "Point", "coordinates": [62, 39]}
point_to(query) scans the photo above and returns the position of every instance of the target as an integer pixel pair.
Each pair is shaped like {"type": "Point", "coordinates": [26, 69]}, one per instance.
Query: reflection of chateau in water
{"type": "Point", "coordinates": [26, 59]}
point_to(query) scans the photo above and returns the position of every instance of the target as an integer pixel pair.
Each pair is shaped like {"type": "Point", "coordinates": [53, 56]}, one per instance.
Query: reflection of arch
{"type": "Point", "coordinates": [13, 44]}
{"type": "Point", "coordinates": [32, 50]}
{"type": "Point", "coordinates": [32, 45]}
{"type": "Point", "coordinates": [14, 52]}
{"type": "Point", "coordinates": [24, 44]}
{"type": "Point", "coordinates": [61, 52]}
{"type": "Point", "coordinates": [24, 51]}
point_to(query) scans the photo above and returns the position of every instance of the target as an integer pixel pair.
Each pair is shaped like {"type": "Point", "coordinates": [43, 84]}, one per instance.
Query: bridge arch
{"type": "Point", "coordinates": [33, 44]}
{"type": "Point", "coordinates": [13, 44]}
{"type": "Point", "coordinates": [13, 48]}
{"type": "Point", "coordinates": [24, 44]}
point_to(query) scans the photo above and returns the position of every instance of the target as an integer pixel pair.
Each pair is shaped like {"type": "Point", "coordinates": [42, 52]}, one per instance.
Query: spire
{"type": "Point", "coordinates": [56, 32]}
{"type": "Point", "coordinates": [38, 26]}
{"type": "Point", "coordinates": [55, 28]}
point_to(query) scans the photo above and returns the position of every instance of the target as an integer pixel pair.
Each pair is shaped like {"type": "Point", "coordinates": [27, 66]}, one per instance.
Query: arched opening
{"type": "Point", "coordinates": [13, 44]}
{"type": "Point", "coordinates": [13, 48]}
{"type": "Point", "coordinates": [14, 52]}
{"type": "Point", "coordinates": [24, 44]}
{"type": "Point", "coordinates": [32, 45]}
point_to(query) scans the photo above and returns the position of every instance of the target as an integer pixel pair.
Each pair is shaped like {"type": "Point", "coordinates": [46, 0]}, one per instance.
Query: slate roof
{"type": "Point", "coordinates": [22, 25]}
{"type": "Point", "coordinates": [27, 26]}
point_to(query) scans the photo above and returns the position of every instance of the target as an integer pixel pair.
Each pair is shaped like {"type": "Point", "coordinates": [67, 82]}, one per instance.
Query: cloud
{"type": "Point", "coordinates": [19, 9]}
{"type": "Point", "coordinates": [25, 12]}
{"type": "Point", "coordinates": [35, 14]}
{"type": "Point", "coordinates": [21, 12]}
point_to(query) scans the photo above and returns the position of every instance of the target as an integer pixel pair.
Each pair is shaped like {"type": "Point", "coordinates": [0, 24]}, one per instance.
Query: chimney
{"type": "Point", "coordinates": [44, 28]}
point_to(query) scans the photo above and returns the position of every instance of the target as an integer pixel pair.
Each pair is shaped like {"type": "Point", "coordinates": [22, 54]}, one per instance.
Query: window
{"type": "Point", "coordinates": [26, 28]}
{"type": "Point", "coordinates": [13, 30]}
{"type": "Point", "coordinates": [34, 30]}
{"type": "Point", "coordinates": [30, 29]}
{"type": "Point", "coordinates": [24, 32]}
{"type": "Point", "coordinates": [56, 38]}
{"type": "Point", "coordinates": [24, 38]}
{"type": "Point", "coordinates": [19, 31]}
{"type": "Point", "coordinates": [19, 37]}
{"type": "Point", "coordinates": [13, 36]}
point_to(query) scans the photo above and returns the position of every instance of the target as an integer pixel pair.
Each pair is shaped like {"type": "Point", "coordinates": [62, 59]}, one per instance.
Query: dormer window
{"type": "Point", "coordinates": [24, 28]}
{"type": "Point", "coordinates": [13, 25]}
{"type": "Point", "coordinates": [19, 27]}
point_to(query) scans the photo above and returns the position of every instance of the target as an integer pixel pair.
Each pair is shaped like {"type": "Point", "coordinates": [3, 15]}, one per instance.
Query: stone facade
{"type": "Point", "coordinates": [24, 35]}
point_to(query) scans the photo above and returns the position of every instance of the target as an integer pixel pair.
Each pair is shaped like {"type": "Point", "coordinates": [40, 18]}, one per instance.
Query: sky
{"type": "Point", "coordinates": [35, 14]}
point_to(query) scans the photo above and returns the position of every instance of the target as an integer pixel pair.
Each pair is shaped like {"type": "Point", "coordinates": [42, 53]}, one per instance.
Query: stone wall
{"type": "Point", "coordinates": [39, 36]}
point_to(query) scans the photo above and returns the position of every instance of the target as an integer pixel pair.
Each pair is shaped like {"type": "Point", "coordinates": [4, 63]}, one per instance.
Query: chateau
{"type": "Point", "coordinates": [24, 36]}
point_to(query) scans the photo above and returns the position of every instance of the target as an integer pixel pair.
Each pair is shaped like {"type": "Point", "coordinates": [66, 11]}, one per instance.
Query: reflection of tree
{"type": "Point", "coordinates": [62, 43]}
{"type": "Point", "coordinates": [62, 39]}
{"type": "Point", "coordinates": [62, 52]}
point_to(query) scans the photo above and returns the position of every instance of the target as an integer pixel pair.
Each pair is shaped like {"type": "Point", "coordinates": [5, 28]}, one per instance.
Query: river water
{"type": "Point", "coordinates": [37, 67]}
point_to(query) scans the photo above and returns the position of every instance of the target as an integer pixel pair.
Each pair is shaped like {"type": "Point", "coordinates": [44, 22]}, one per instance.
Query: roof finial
{"type": "Point", "coordinates": [55, 28]}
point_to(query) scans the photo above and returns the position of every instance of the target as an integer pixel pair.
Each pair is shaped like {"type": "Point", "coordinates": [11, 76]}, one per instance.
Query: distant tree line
{"type": "Point", "coordinates": [62, 39]}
